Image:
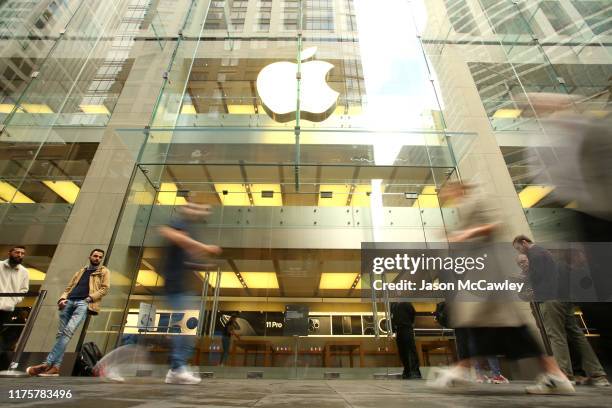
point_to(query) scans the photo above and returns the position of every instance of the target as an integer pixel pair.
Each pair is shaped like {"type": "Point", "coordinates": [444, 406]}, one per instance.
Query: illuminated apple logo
{"type": "Point", "coordinates": [277, 89]}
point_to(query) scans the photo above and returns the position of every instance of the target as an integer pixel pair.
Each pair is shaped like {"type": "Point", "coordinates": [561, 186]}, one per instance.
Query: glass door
{"type": "Point", "coordinates": [289, 274]}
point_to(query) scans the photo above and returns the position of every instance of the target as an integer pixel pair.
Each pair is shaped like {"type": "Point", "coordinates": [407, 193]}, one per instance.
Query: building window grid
{"type": "Point", "coordinates": [353, 83]}
{"type": "Point", "coordinates": [552, 11]}
{"type": "Point", "coordinates": [290, 14]}
{"type": "Point", "coordinates": [350, 18]}
{"type": "Point", "coordinates": [16, 19]}
{"type": "Point", "coordinates": [318, 15]}
{"type": "Point", "coordinates": [461, 17]}
{"type": "Point", "coordinates": [597, 15]}
{"type": "Point", "coordinates": [215, 17]}
{"type": "Point", "coordinates": [263, 18]}
{"type": "Point", "coordinates": [215, 20]}
{"type": "Point", "coordinates": [99, 89]}
{"type": "Point", "coordinates": [13, 24]}
{"type": "Point", "coordinates": [505, 17]}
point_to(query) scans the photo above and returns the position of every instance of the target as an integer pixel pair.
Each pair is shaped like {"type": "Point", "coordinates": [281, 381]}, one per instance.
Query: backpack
{"type": "Point", "coordinates": [87, 359]}
{"type": "Point", "coordinates": [441, 314]}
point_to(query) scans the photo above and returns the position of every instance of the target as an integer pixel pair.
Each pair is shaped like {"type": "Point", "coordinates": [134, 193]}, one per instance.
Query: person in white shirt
{"type": "Point", "coordinates": [14, 278]}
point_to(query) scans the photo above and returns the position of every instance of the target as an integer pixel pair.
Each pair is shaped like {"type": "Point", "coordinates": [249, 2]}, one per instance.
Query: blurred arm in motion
{"type": "Point", "coordinates": [195, 248]}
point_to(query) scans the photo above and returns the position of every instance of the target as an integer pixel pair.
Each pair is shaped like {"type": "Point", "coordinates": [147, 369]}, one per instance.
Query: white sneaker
{"type": "Point", "coordinates": [601, 381]}
{"type": "Point", "coordinates": [450, 377]}
{"type": "Point", "coordinates": [482, 379]}
{"type": "Point", "coordinates": [114, 376]}
{"type": "Point", "coordinates": [551, 384]}
{"type": "Point", "coordinates": [181, 376]}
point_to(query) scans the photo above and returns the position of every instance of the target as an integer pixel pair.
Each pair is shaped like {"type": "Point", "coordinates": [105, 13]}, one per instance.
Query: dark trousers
{"type": "Point", "coordinates": [225, 342]}
{"type": "Point", "coordinates": [7, 338]}
{"type": "Point", "coordinates": [513, 342]}
{"type": "Point", "coordinates": [406, 348]}
{"type": "Point", "coordinates": [591, 229]}
{"type": "Point", "coordinates": [462, 342]}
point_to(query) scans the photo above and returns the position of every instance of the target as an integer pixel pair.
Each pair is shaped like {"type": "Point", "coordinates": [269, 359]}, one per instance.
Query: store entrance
{"type": "Point", "coordinates": [289, 275]}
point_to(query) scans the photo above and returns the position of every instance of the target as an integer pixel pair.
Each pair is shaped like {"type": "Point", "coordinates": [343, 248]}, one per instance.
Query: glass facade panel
{"type": "Point", "coordinates": [282, 250]}
{"type": "Point", "coordinates": [504, 17]}
{"type": "Point", "coordinates": [558, 18]}
{"type": "Point", "coordinates": [308, 126]}
{"type": "Point", "coordinates": [113, 327]}
{"type": "Point", "coordinates": [461, 17]}
{"type": "Point", "coordinates": [596, 14]}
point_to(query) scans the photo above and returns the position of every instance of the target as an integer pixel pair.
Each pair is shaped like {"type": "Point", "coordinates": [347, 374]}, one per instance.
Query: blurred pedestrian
{"type": "Point", "coordinates": [181, 250]}
{"type": "Point", "coordinates": [490, 327]}
{"type": "Point", "coordinates": [582, 177]}
{"type": "Point", "coordinates": [496, 376]}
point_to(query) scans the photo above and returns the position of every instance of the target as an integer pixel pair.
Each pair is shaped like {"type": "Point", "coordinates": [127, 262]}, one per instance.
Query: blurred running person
{"type": "Point", "coordinates": [490, 327]}
{"type": "Point", "coordinates": [582, 177]}
{"type": "Point", "coordinates": [496, 376]}
{"type": "Point", "coordinates": [182, 249]}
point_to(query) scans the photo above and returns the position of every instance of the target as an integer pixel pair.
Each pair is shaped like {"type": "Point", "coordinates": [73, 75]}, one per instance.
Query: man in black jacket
{"type": "Point", "coordinates": [402, 318]}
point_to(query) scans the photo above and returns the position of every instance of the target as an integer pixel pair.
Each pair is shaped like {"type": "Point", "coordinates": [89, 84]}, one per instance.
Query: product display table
{"type": "Point", "coordinates": [444, 347]}
{"type": "Point", "coordinates": [252, 346]}
{"type": "Point", "coordinates": [340, 347]}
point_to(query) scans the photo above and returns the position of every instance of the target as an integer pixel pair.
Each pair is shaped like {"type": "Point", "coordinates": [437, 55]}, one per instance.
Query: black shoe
{"type": "Point", "coordinates": [416, 376]}
{"type": "Point", "coordinates": [412, 376]}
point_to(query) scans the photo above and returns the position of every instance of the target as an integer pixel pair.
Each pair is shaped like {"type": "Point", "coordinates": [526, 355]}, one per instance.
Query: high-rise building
{"type": "Point", "coordinates": [113, 112]}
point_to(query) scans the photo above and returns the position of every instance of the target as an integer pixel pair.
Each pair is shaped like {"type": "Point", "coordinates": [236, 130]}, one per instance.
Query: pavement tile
{"type": "Point", "coordinates": [152, 392]}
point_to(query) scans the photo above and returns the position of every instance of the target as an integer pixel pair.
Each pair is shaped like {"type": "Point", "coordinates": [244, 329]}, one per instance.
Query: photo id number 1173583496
{"type": "Point", "coordinates": [40, 394]}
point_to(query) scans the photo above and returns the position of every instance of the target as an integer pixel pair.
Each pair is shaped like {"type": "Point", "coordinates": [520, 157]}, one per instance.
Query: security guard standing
{"type": "Point", "coordinates": [402, 319]}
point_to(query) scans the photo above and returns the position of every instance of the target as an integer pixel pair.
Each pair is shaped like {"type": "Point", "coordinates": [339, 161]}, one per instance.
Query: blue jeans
{"type": "Point", "coordinates": [70, 318]}
{"type": "Point", "coordinates": [225, 341]}
{"type": "Point", "coordinates": [182, 345]}
{"type": "Point", "coordinates": [493, 366]}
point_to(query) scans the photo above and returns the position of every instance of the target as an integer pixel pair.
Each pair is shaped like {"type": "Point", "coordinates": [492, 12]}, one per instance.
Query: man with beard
{"type": "Point", "coordinates": [82, 296]}
{"type": "Point", "coordinates": [13, 279]}
{"type": "Point", "coordinates": [558, 314]}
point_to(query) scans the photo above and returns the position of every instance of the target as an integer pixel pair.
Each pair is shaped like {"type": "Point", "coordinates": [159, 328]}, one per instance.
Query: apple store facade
{"type": "Point", "coordinates": [309, 126]}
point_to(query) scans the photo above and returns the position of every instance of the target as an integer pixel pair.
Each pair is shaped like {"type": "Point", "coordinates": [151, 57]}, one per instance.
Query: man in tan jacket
{"type": "Point", "coordinates": [82, 296]}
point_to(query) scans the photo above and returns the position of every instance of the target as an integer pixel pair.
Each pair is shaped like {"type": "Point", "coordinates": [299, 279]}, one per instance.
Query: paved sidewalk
{"type": "Point", "coordinates": [152, 392]}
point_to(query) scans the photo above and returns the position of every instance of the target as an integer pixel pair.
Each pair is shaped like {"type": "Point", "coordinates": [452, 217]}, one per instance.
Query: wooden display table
{"type": "Point", "coordinates": [252, 346]}
{"type": "Point", "coordinates": [340, 347]}
{"type": "Point", "coordinates": [318, 356]}
{"type": "Point", "coordinates": [203, 347]}
{"type": "Point", "coordinates": [444, 347]}
{"type": "Point", "coordinates": [301, 354]}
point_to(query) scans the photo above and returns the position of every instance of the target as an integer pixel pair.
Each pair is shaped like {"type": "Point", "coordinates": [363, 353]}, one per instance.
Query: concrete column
{"type": "Point", "coordinates": [464, 112]}
{"type": "Point", "coordinates": [97, 208]}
